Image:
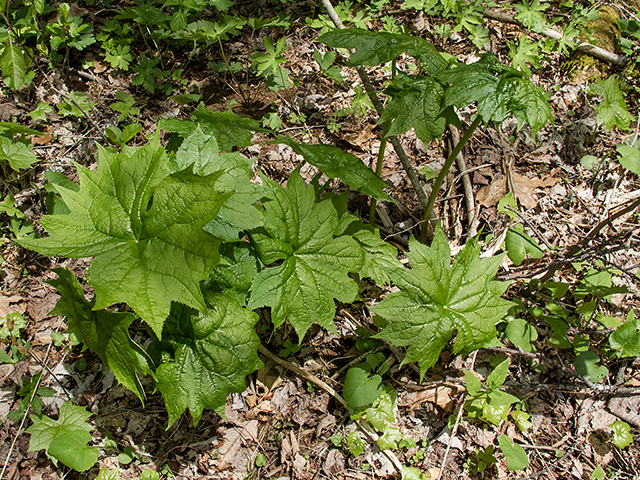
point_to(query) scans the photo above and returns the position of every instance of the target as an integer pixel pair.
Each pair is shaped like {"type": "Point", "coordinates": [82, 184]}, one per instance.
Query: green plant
{"type": "Point", "coordinates": [65, 439]}
{"type": "Point", "coordinates": [270, 64]}
{"type": "Point", "coordinates": [32, 394]}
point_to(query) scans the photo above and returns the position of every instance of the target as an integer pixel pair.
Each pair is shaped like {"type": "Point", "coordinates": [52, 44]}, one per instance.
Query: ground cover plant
{"type": "Point", "coordinates": [193, 260]}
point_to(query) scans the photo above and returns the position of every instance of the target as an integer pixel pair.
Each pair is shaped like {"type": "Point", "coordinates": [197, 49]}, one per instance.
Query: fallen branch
{"type": "Point", "coordinates": [581, 46]}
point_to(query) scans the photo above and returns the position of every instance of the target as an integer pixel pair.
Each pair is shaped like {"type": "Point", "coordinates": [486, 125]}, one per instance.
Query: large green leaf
{"type": "Point", "coordinates": [416, 102]}
{"type": "Point", "coordinates": [212, 353]}
{"type": "Point", "coordinates": [102, 331]}
{"type": "Point", "coordinates": [17, 154]}
{"type": "Point", "coordinates": [314, 265]}
{"type": "Point", "coordinates": [380, 257]}
{"type": "Point", "coordinates": [237, 212]}
{"type": "Point", "coordinates": [229, 129]}
{"type": "Point", "coordinates": [499, 92]}
{"type": "Point", "coordinates": [360, 390]}
{"type": "Point", "coordinates": [44, 429]}
{"type": "Point", "coordinates": [335, 163]}
{"type": "Point", "coordinates": [374, 48]}
{"type": "Point", "coordinates": [144, 226]}
{"type": "Point", "coordinates": [435, 300]}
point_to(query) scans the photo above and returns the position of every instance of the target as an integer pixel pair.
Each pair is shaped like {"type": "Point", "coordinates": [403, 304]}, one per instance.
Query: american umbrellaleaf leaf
{"type": "Point", "coordinates": [300, 232]}
{"type": "Point", "coordinates": [498, 91]}
{"type": "Point", "coordinates": [144, 226]}
{"type": "Point", "coordinates": [335, 163]}
{"type": "Point", "coordinates": [212, 353]}
{"type": "Point", "coordinates": [237, 212]}
{"type": "Point", "coordinates": [102, 331]}
{"type": "Point", "coordinates": [229, 129]}
{"type": "Point", "coordinates": [437, 299]}
{"type": "Point", "coordinates": [374, 48]}
{"type": "Point", "coordinates": [416, 102]}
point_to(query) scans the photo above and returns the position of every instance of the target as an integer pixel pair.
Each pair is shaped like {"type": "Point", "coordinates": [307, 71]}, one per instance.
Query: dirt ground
{"type": "Point", "coordinates": [283, 419]}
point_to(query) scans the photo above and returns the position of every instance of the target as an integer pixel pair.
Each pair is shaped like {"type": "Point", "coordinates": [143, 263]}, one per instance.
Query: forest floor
{"type": "Point", "coordinates": [282, 425]}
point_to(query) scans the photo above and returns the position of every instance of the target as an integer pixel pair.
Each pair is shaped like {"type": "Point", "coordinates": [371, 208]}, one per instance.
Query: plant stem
{"type": "Point", "coordinates": [381, 150]}
{"type": "Point", "coordinates": [443, 172]}
{"type": "Point", "coordinates": [406, 163]}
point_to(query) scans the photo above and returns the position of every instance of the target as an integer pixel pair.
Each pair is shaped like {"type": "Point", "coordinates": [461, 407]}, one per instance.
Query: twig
{"type": "Point", "coordinates": [26, 412]}
{"type": "Point", "coordinates": [466, 183]}
{"type": "Point", "coordinates": [373, 96]}
{"type": "Point", "coordinates": [69, 99]}
{"type": "Point", "coordinates": [455, 426]}
{"type": "Point", "coordinates": [608, 389]}
{"type": "Point", "coordinates": [312, 378]}
{"type": "Point", "coordinates": [581, 46]}
{"type": "Point", "coordinates": [531, 226]}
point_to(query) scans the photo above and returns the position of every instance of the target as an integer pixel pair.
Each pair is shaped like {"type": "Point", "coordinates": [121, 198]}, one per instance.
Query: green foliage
{"type": "Point", "coordinates": [621, 434]}
{"type": "Point", "coordinates": [625, 340]}
{"type": "Point", "coordinates": [208, 355]}
{"type": "Point", "coordinates": [516, 456]}
{"type": "Point", "coordinates": [435, 300]}
{"type": "Point", "coordinates": [336, 163]}
{"type": "Point", "coordinates": [66, 438]}
{"type": "Point", "coordinates": [586, 364]}
{"type": "Point", "coordinates": [359, 389]}
{"type": "Point", "coordinates": [103, 331]}
{"type": "Point", "coordinates": [356, 443]}
{"type": "Point", "coordinates": [15, 149]}
{"type": "Point", "coordinates": [374, 48]}
{"type": "Point", "coordinates": [416, 102]}
{"type": "Point", "coordinates": [519, 245]}
{"type": "Point", "coordinates": [524, 54]}
{"type": "Point", "coordinates": [612, 110]}
{"type": "Point", "coordinates": [301, 233]}
{"type": "Point", "coordinates": [69, 108]}
{"type": "Point", "coordinates": [142, 223]}
{"type": "Point", "coordinates": [41, 111]}
{"type": "Point", "coordinates": [325, 61]}
{"type": "Point", "coordinates": [531, 14]}
{"type": "Point", "coordinates": [229, 129]}
{"type": "Point", "coordinates": [491, 404]}
{"type": "Point", "coordinates": [14, 63]}
{"type": "Point", "coordinates": [629, 158]}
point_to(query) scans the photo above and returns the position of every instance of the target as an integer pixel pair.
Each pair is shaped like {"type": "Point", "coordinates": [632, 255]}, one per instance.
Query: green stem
{"type": "Point", "coordinates": [383, 147]}
{"type": "Point", "coordinates": [443, 172]}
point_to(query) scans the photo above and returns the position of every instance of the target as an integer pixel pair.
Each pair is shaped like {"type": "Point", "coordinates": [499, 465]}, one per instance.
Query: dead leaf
{"type": "Point", "coordinates": [289, 447]}
{"type": "Point", "coordinates": [524, 188]}
{"type": "Point", "coordinates": [233, 440]}
{"type": "Point", "coordinates": [334, 463]}
{"type": "Point", "coordinates": [98, 67]}
{"type": "Point", "coordinates": [360, 139]}
{"type": "Point", "coordinates": [6, 308]}
{"type": "Point", "coordinates": [442, 396]}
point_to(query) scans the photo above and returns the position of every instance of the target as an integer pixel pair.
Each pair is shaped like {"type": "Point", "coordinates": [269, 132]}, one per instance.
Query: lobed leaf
{"type": "Point", "coordinates": [45, 429]}
{"type": "Point", "coordinates": [374, 48]}
{"type": "Point", "coordinates": [237, 213]}
{"type": "Point", "coordinates": [212, 353]}
{"type": "Point", "coordinates": [314, 270]}
{"type": "Point", "coordinates": [144, 226]}
{"type": "Point", "coordinates": [437, 299]}
{"type": "Point", "coordinates": [416, 102]}
{"type": "Point", "coordinates": [72, 449]}
{"type": "Point", "coordinates": [229, 129]}
{"type": "Point", "coordinates": [104, 332]}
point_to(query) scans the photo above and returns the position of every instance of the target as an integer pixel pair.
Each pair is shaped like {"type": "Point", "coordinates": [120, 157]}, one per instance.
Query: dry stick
{"type": "Point", "coordinates": [373, 96]}
{"type": "Point", "coordinates": [26, 412]}
{"type": "Point", "coordinates": [455, 426]}
{"type": "Point", "coordinates": [613, 390]}
{"type": "Point", "coordinates": [581, 46]}
{"type": "Point", "coordinates": [466, 183]}
{"type": "Point", "coordinates": [531, 226]}
{"type": "Point", "coordinates": [312, 378]}
{"type": "Point", "coordinates": [594, 231]}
